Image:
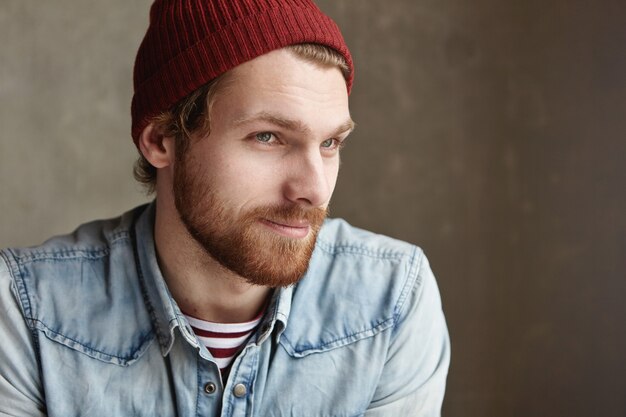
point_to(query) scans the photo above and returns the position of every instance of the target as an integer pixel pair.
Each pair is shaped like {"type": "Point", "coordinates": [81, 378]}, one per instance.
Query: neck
{"type": "Point", "coordinates": [200, 285]}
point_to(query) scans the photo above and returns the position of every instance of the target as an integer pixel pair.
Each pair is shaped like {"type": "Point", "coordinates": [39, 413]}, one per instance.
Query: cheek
{"type": "Point", "coordinates": [332, 172]}
{"type": "Point", "coordinates": [245, 179]}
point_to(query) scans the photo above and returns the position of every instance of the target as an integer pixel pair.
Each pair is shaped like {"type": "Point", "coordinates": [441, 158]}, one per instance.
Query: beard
{"type": "Point", "coordinates": [241, 243]}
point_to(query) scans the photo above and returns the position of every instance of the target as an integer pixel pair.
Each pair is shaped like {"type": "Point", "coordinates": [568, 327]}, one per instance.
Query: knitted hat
{"type": "Point", "coordinates": [191, 42]}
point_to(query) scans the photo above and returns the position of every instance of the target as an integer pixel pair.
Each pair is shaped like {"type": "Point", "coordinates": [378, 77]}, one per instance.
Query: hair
{"type": "Point", "coordinates": [191, 115]}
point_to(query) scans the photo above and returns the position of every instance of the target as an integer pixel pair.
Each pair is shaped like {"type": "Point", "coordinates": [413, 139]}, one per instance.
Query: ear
{"type": "Point", "coordinates": [157, 148]}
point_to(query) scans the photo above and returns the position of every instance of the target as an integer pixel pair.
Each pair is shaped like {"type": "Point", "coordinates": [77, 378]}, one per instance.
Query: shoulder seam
{"type": "Point", "coordinates": [13, 267]}
{"type": "Point", "coordinates": [412, 278]}
{"type": "Point", "coordinates": [334, 249]}
{"type": "Point", "coordinates": [86, 253]}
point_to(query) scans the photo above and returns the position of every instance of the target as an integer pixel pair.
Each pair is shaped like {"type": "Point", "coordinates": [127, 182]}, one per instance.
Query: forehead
{"type": "Point", "coordinates": [282, 83]}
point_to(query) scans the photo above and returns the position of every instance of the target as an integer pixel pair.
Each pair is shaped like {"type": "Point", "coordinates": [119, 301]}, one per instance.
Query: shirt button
{"type": "Point", "coordinates": [210, 388]}
{"type": "Point", "coordinates": [240, 390]}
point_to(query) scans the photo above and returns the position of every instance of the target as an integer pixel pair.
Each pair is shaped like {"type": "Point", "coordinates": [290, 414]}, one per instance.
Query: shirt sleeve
{"type": "Point", "coordinates": [413, 380]}
{"type": "Point", "coordinates": [20, 383]}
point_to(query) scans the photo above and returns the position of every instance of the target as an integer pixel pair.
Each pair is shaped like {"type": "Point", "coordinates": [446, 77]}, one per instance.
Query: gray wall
{"type": "Point", "coordinates": [490, 133]}
{"type": "Point", "coordinates": [65, 89]}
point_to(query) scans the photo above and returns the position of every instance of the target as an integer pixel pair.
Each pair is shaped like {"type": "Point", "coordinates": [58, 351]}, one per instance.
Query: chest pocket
{"type": "Point", "coordinates": [333, 349]}
{"type": "Point", "coordinates": [86, 302]}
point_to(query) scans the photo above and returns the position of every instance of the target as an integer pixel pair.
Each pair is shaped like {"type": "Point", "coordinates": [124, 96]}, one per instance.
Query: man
{"type": "Point", "coordinates": [230, 294]}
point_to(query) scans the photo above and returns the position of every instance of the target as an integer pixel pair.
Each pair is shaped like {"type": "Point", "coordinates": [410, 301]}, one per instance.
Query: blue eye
{"type": "Point", "coordinates": [331, 144]}
{"type": "Point", "coordinates": [264, 137]}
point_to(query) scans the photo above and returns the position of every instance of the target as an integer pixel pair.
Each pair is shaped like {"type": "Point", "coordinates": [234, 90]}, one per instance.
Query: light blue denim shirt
{"type": "Point", "coordinates": [89, 328]}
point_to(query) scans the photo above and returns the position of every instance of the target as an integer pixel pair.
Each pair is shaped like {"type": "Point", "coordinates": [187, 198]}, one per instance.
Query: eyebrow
{"type": "Point", "coordinates": [294, 125]}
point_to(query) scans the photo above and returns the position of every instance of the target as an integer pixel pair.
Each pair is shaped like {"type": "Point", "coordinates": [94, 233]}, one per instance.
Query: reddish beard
{"type": "Point", "coordinates": [242, 243]}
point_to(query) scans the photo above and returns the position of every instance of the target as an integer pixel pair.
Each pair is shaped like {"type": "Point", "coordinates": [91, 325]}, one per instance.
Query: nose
{"type": "Point", "coordinates": [310, 179]}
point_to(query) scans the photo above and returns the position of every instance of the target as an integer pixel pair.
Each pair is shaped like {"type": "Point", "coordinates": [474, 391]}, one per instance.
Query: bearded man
{"type": "Point", "coordinates": [230, 294]}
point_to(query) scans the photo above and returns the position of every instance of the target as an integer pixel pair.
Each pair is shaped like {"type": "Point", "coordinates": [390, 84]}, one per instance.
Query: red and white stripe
{"type": "Point", "coordinates": [223, 340]}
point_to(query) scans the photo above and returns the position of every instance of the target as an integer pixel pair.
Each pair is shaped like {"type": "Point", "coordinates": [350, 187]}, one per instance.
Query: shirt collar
{"type": "Point", "coordinates": [165, 313]}
{"type": "Point", "coordinates": [277, 314]}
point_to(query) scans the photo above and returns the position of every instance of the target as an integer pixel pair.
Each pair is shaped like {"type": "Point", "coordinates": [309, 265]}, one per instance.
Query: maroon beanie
{"type": "Point", "coordinates": [191, 42]}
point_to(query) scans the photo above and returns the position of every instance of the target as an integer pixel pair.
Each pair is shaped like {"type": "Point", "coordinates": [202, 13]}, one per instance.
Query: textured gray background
{"type": "Point", "coordinates": [490, 133]}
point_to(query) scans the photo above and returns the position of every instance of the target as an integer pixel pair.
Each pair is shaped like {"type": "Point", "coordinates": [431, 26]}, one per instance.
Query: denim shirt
{"type": "Point", "coordinates": [89, 328]}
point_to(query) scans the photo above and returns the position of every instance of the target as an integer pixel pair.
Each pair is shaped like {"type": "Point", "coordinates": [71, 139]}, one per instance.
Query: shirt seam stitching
{"type": "Point", "coordinates": [380, 327]}
{"type": "Point", "coordinates": [352, 249]}
{"type": "Point", "coordinates": [143, 341]}
{"type": "Point", "coordinates": [412, 279]}
{"type": "Point", "coordinates": [14, 267]}
{"type": "Point", "coordinates": [87, 253]}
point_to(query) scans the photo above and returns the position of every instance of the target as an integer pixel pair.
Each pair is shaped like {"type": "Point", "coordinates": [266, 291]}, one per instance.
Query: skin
{"type": "Point", "coordinates": [276, 130]}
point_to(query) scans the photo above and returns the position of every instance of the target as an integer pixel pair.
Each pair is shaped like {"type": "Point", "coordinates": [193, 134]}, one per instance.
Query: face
{"type": "Point", "coordinates": [254, 192]}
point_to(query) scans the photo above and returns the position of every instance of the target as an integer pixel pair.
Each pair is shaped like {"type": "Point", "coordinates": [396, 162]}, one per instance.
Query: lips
{"type": "Point", "coordinates": [292, 228]}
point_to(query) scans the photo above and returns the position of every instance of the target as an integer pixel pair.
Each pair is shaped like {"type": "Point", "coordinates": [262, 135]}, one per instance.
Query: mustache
{"type": "Point", "coordinates": [289, 212]}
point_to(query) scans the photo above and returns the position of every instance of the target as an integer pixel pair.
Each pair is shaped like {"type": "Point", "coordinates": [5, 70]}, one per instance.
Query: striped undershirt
{"type": "Point", "coordinates": [223, 340]}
